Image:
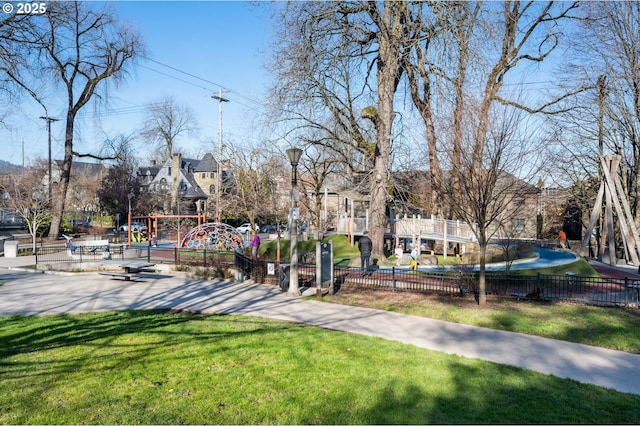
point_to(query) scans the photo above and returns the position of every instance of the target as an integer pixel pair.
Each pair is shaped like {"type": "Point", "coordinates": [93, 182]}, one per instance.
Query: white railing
{"type": "Point", "coordinates": [351, 226]}
{"type": "Point", "coordinates": [435, 229]}
{"type": "Point", "coordinates": [432, 229]}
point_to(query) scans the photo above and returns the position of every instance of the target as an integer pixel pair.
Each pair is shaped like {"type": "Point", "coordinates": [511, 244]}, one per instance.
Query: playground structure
{"type": "Point", "coordinates": [611, 194]}
{"type": "Point", "coordinates": [212, 236]}
{"type": "Point", "coordinates": [205, 235]}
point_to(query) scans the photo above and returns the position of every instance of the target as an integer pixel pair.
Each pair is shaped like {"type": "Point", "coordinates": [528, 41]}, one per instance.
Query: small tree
{"type": "Point", "coordinates": [247, 193]}
{"type": "Point", "coordinates": [488, 185]}
{"type": "Point", "coordinates": [29, 198]}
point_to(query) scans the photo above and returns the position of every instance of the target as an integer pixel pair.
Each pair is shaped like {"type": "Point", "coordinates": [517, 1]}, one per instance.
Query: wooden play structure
{"type": "Point", "coordinates": [611, 195]}
{"type": "Point", "coordinates": [153, 223]}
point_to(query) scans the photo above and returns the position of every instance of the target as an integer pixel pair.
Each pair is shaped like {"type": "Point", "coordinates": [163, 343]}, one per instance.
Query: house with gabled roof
{"type": "Point", "coordinates": [182, 178]}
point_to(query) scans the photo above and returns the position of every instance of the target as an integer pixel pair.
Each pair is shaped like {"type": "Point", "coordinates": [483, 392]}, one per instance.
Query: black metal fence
{"type": "Point", "coordinates": [568, 287]}
{"type": "Point", "coordinates": [60, 253]}
{"type": "Point", "coordinates": [455, 282]}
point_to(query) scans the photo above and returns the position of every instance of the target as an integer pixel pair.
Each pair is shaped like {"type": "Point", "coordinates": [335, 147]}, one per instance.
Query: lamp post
{"type": "Point", "coordinates": [294, 155]}
{"type": "Point", "coordinates": [129, 196]}
{"type": "Point", "coordinates": [220, 100]}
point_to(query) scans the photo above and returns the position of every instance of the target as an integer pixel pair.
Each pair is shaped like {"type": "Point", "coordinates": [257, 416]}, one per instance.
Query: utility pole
{"type": "Point", "coordinates": [49, 120]}
{"type": "Point", "coordinates": [220, 100]}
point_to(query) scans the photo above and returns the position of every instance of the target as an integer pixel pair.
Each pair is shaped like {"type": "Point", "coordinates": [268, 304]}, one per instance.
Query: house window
{"type": "Point", "coordinates": [518, 224]}
{"type": "Point", "coordinates": [212, 175]}
{"type": "Point", "coordinates": [204, 175]}
{"type": "Point", "coordinates": [212, 189]}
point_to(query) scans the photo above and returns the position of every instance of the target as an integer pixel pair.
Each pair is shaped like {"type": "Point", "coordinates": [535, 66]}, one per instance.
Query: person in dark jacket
{"type": "Point", "coordinates": [365, 245]}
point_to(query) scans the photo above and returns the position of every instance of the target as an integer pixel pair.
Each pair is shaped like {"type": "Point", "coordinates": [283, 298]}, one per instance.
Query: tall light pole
{"type": "Point", "coordinates": [49, 120]}
{"type": "Point", "coordinates": [294, 155]}
{"type": "Point", "coordinates": [220, 100]}
{"type": "Point", "coordinates": [129, 196]}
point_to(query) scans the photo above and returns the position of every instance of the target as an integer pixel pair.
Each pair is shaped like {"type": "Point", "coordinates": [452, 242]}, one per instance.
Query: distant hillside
{"type": "Point", "coordinates": [7, 168]}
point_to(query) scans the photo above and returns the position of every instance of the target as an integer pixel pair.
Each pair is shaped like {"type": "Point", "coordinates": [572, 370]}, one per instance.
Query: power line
{"type": "Point", "coordinates": [224, 88]}
{"type": "Point", "coordinates": [136, 109]}
{"type": "Point", "coordinates": [174, 77]}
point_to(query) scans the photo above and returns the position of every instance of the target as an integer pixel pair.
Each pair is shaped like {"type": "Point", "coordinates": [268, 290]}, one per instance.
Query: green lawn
{"type": "Point", "coordinates": [611, 328]}
{"type": "Point", "coordinates": [145, 367]}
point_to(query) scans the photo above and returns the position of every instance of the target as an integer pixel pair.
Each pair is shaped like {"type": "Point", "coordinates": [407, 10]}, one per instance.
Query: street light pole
{"type": "Point", "coordinates": [220, 100]}
{"type": "Point", "coordinates": [294, 155]}
{"type": "Point", "coordinates": [49, 120]}
{"type": "Point", "coordinates": [129, 196]}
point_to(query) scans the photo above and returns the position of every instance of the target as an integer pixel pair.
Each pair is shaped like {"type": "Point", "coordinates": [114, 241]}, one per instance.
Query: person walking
{"type": "Point", "coordinates": [365, 245]}
{"type": "Point", "coordinates": [255, 244]}
{"type": "Point", "coordinates": [414, 257]}
{"type": "Point", "coordinates": [399, 252]}
{"type": "Point", "coordinates": [562, 236]}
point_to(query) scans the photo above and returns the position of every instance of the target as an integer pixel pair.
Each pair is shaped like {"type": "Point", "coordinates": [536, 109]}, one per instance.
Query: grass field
{"type": "Point", "coordinates": [144, 367]}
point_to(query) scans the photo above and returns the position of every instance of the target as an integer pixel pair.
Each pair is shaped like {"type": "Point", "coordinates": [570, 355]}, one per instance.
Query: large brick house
{"type": "Point", "coordinates": [183, 180]}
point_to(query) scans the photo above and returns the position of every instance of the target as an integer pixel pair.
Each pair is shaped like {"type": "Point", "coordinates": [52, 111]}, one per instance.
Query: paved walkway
{"type": "Point", "coordinates": [30, 293]}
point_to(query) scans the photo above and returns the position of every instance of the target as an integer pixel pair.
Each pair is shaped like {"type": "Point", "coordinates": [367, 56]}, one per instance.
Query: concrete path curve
{"type": "Point", "coordinates": [29, 293]}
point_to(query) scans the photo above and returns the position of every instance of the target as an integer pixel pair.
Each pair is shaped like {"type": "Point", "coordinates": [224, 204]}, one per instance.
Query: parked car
{"type": "Point", "coordinates": [135, 227]}
{"type": "Point", "coordinates": [272, 229]}
{"type": "Point", "coordinates": [269, 229]}
{"type": "Point", "coordinates": [246, 227]}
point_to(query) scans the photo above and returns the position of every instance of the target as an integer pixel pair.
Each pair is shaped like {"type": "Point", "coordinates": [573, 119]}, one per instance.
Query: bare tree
{"type": "Point", "coordinates": [78, 49]}
{"type": "Point", "coordinates": [316, 168]}
{"type": "Point", "coordinates": [11, 57]}
{"type": "Point", "coordinates": [459, 48]}
{"type": "Point", "coordinates": [120, 180]}
{"type": "Point", "coordinates": [490, 190]}
{"type": "Point", "coordinates": [30, 199]}
{"type": "Point", "coordinates": [606, 57]}
{"type": "Point", "coordinates": [248, 190]}
{"type": "Point", "coordinates": [326, 49]}
{"type": "Point", "coordinates": [166, 121]}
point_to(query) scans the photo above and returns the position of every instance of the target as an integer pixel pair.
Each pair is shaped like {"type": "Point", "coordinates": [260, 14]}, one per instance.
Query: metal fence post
{"type": "Point", "coordinates": [626, 292]}
{"type": "Point", "coordinates": [393, 278]}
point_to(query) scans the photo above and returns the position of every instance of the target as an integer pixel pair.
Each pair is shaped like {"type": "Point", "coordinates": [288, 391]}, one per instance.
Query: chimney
{"type": "Point", "coordinates": [176, 164]}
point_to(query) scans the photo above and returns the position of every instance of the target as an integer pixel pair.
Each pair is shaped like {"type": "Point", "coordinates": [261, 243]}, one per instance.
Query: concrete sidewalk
{"type": "Point", "coordinates": [29, 293]}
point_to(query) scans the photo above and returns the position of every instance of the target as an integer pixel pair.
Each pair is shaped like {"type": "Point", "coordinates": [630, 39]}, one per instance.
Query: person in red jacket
{"type": "Point", "coordinates": [563, 238]}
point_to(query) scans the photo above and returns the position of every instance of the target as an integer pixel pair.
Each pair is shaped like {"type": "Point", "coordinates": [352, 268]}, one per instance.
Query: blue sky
{"type": "Point", "coordinates": [195, 49]}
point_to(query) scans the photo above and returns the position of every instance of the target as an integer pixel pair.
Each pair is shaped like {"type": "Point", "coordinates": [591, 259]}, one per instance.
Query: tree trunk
{"type": "Point", "coordinates": [388, 76]}
{"type": "Point", "coordinates": [482, 283]}
{"type": "Point", "coordinates": [65, 174]}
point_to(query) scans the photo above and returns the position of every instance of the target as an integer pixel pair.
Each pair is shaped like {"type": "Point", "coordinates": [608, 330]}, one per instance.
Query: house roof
{"type": "Point", "coordinates": [194, 190]}
{"type": "Point", "coordinates": [207, 164]}
{"type": "Point", "coordinates": [149, 170]}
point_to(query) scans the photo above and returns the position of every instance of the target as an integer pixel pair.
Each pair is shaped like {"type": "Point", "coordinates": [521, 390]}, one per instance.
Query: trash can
{"type": "Point", "coordinates": [10, 249]}
{"type": "Point", "coordinates": [284, 277]}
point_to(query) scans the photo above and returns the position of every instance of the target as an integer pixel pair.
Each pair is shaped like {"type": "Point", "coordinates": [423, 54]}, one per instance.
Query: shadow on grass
{"type": "Point", "coordinates": [37, 333]}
